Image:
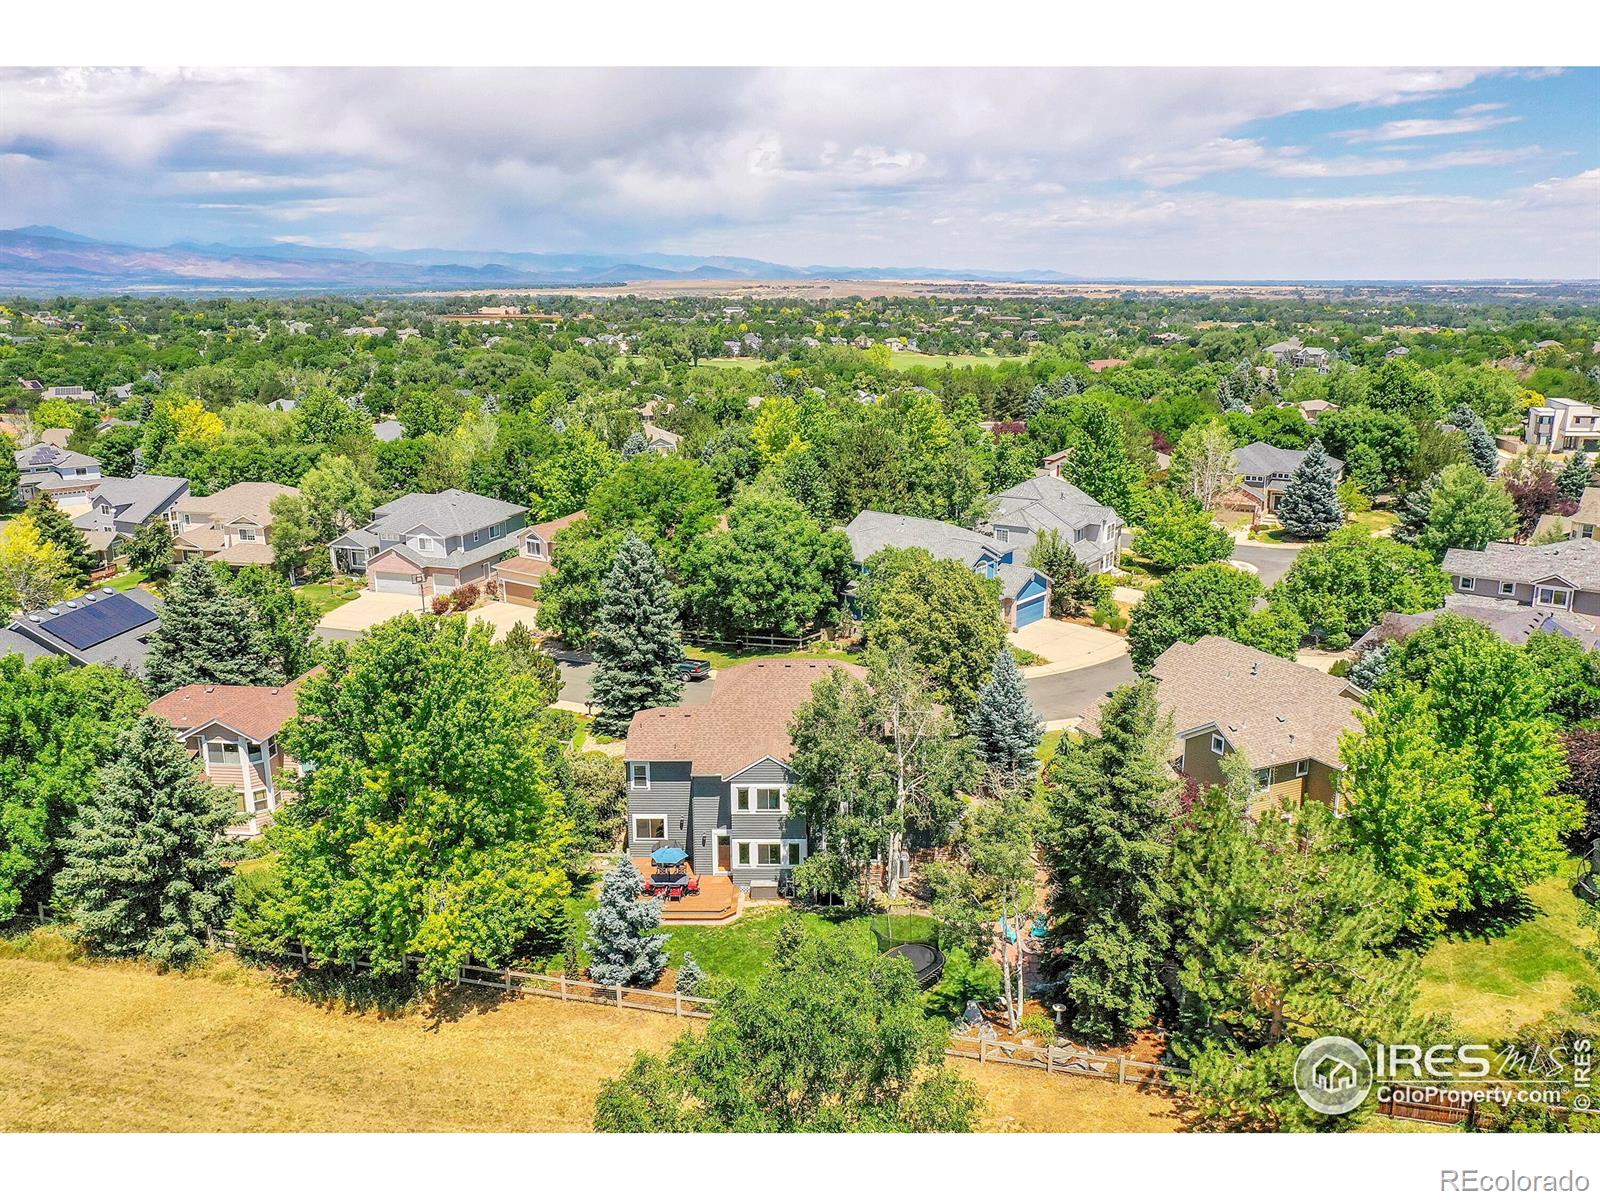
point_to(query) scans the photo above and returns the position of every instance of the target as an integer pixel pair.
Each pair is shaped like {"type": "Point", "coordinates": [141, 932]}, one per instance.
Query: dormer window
{"type": "Point", "coordinates": [1466, 583]}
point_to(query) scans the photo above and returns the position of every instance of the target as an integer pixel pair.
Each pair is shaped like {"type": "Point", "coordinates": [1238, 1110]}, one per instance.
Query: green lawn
{"type": "Point", "coordinates": [1375, 521]}
{"type": "Point", "coordinates": [125, 582]}
{"type": "Point", "coordinates": [325, 597]}
{"type": "Point", "coordinates": [1491, 985]}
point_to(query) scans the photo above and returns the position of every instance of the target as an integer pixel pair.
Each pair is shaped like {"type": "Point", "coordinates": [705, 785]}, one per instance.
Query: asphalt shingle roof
{"type": "Point", "coordinates": [1258, 458]}
{"type": "Point", "coordinates": [1577, 561]}
{"type": "Point", "coordinates": [450, 513]}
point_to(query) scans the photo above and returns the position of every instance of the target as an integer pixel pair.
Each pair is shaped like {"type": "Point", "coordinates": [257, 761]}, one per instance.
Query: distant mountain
{"type": "Point", "coordinates": [39, 258]}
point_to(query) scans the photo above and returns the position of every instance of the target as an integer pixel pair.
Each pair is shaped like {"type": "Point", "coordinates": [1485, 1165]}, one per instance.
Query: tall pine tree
{"type": "Point", "coordinates": [1309, 506]}
{"type": "Point", "coordinates": [146, 864]}
{"type": "Point", "coordinates": [636, 647]}
{"type": "Point", "coordinates": [1480, 443]}
{"type": "Point", "coordinates": [1111, 802]}
{"type": "Point", "coordinates": [1005, 729]}
{"type": "Point", "coordinates": [623, 945]}
{"type": "Point", "coordinates": [1575, 476]}
{"type": "Point", "coordinates": [207, 634]}
{"type": "Point", "coordinates": [55, 526]}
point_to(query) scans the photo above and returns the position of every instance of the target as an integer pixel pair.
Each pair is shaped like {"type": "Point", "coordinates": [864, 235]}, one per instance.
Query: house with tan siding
{"type": "Point", "coordinates": [517, 579]}
{"type": "Point", "coordinates": [230, 526]}
{"type": "Point", "coordinates": [233, 733]}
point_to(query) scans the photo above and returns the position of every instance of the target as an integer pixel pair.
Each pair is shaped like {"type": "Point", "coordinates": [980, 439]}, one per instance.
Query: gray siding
{"type": "Point", "coordinates": [668, 794]}
{"type": "Point", "coordinates": [709, 805]}
{"type": "Point", "coordinates": [760, 826]}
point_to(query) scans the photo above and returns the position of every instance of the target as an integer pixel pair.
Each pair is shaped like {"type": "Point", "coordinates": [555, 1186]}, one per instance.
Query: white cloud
{"type": "Point", "coordinates": [1396, 131]}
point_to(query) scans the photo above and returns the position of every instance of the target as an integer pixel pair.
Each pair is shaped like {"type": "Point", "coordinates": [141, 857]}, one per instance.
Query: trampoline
{"type": "Point", "coordinates": [927, 962]}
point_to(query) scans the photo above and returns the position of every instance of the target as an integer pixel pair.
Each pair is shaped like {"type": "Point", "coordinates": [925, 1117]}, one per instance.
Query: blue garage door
{"type": "Point", "coordinates": [1030, 611]}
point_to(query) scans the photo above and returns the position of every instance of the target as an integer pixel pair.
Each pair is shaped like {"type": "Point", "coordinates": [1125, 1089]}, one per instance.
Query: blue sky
{"type": "Point", "coordinates": [1370, 172]}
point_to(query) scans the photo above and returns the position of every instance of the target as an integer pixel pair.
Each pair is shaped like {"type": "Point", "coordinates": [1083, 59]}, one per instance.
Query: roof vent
{"type": "Point", "coordinates": [89, 597]}
{"type": "Point", "coordinates": [35, 617]}
{"type": "Point", "coordinates": [209, 690]}
{"type": "Point", "coordinates": [109, 591]}
{"type": "Point", "coordinates": [55, 612]}
{"type": "Point", "coordinates": [1255, 668]}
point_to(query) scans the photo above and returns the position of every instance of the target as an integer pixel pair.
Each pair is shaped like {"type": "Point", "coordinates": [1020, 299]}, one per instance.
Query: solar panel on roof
{"type": "Point", "coordinates": [88, 627]}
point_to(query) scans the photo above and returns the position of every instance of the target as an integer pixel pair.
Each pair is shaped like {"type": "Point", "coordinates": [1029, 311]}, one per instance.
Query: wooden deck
{"type": "Point", "coordinates": [718, 900]}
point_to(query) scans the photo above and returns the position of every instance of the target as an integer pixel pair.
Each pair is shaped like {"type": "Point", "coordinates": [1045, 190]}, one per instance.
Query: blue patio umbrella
{"type": "Point", "coordinates": [668, 856]}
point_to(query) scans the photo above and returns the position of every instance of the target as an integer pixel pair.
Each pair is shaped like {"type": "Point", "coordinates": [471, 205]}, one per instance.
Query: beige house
{"type": "Point", "coordinates": [233, 733]}
{"type": "Point", "coordinates": [517, 579]}
{"type": "Point", "coordinates": [1285, 719]}
{"type": "Point", "coordinates": [229, 526]}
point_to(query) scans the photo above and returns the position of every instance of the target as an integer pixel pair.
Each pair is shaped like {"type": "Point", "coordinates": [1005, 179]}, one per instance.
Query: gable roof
{"type": "Point", "coordinates": [449, 513]}
{"type": "Point", "coordinates": [45, 457]}
{"type": "Point", "coordinates": [1047, 501]}
{"type": "Point", "coordinates": [250, 501]}
{"type": "Point", "coordinates": [1577, 561]}
{"type": "Point", "coordinates": [872, 531]}
{"type": "Point", "coordinates": [133, 500]}
{"type": "Point", "coordinates": [548, 529]}
{"type": "Point", "coordinates": [1258, 458]}
{"type": "Point", "coordinates": [1269, 709]}
{"type": "Point", "coordinates": [1511, 621]}
{"type": "Point", "coordinates": [257, 712]}
{"type": "Point", "coordinates": [746, 719]}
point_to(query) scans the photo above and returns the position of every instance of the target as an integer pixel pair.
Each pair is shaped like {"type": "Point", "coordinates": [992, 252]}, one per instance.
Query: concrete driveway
{"type": "Point", "coordinates": [503, 616]}
{"type": "Point", "coordinates": [1067, 646]}
{"type": "Point", "coordinates": [365, 611]}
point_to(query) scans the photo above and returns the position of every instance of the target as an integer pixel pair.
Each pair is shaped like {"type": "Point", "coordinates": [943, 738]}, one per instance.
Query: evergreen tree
{"type": "Point", "coordinates": [636, 647]}
{"type": "Point", "coordinates": [1309, 506]}
{"type": "Point", "coordinates": [207, 634]}
{"type": "Point", "coordinates": [637, 443]}
{"type": "Point", "coordinates": [1480, 443]}
{"type": "Point", "coordinates": [522, 649]}
{"type": "Point", "coordinates": [1111, 802]}
{"type": "Point", "coordinates": [1369, 668]}
{"type": "Point", "coordinates": [1005, 729]}
{"type": "Point", "coordinates": [10, 476]}
{"type": "Point", "coordinates": [146, 863]}
{"type": "Point", "coordinates": [690, 977]}
{"type": "Point", "coordinates": [623, 945]}
{"type": "Point", "coordinates": [55, 526]}
{"type": "Point", "coordinates": [1575, 477]}
{"type": "Point", "coordinates": [1415, 507]}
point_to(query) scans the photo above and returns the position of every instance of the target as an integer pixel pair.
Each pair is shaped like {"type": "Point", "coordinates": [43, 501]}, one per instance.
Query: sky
{"type": "Point", "coordinates": [1170, 173]}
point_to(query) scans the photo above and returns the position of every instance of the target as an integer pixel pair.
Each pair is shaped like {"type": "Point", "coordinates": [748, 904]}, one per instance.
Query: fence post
{"type": "Point", "coordinates": [677, 1004]}
{"type": "Point", "coordinates": [619, 995]}
{"type": "Point", "coordinates": [1122, 1069]}
{"type": "Point", "coordinates": [40, 903]}
{"type": "Point", "coordinates": [1049, 1060]}
{"type": "Point", "coordinates": [508, 977]}
{"type": "Point", "coordinates": [563, 987]}
{"type": "Point", "coordinates": [983, 1052]}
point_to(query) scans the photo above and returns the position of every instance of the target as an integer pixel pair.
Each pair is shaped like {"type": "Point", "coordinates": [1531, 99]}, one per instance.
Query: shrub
{"type": "Point", "coordinates": [465, 597]}
{"type": "Point", "coordinates": [1038, 1026]}
{"type": "Point", "coordinates": [441, 605]}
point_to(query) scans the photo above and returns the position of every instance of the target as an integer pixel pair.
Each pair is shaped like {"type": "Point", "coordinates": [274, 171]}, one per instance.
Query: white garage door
{"type": "Point", "coordinates": [385, 582]}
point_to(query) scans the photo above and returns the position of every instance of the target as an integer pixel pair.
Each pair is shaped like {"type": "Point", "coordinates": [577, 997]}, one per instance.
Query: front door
{"type": "Point", "coordinates": [724, 854]}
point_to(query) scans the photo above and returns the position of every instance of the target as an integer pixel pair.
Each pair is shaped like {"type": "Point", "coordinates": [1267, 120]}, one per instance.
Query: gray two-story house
{"type": "Point", "coordinates": [431, 543]}
{"type": "Point", "coordinates": [713, 779]}
{"type": "Point", "coordinates": [64, 475]}
{"type": "Point", "coordinates": [1019, 514]}
{"type": "Point", "coordinates": [1265, 471]}
{"type": "Point", "coordinates": [1560, 576]}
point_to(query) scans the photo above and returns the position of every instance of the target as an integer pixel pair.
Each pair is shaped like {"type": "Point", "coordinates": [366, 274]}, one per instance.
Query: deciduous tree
{"type": "Point", "coordinates": [1188, 604]}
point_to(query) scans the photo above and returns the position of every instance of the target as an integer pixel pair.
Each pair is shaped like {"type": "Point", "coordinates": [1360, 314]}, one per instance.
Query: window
{"type": "Point", "coordinates": [1466, 583]}
{"type": "Point", "coordinates": [639, 776]}
{"type": "Point", "coordinates": [223, 753]}
{"type": "Point", "coordinates": [1219, 744]}
{"type": "Point", "coordinates": [1264, 777]}
{"type": "Point", "coordinates": [759, 799]}
{"type": "Point", "coordinates": [649, 827]}
{"type": "Point", "coordinates": [1507, 587]}
{"type": "Point", "coordinates": [1302, 768]}
{"type": "Point", "coordinates": [1555, 597]}
{"type": "Point", "coordinates": [769, 854]}
{"type": "Point", "coordinates": [497, 530]}
{"type": "Point", "coordinates": [535, 547]}
{"type": "Point", "coordinates": [255, 749]}
{"type": "Point", "coordinates": [427, 545]}
{"type": "Point", "coordinates": [1002, 534]}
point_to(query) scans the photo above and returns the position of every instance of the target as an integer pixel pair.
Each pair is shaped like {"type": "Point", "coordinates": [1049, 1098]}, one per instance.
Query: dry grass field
{"type": "Point", "coordinates": [114, 1047]}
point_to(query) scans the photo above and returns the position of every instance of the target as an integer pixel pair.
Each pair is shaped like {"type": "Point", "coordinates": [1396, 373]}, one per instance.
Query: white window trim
{"type": "Point", "coordinates": [1508, 587]}
{"type": "Point", "coordinates": [1302, 768]}
{"type": "Point", "coordinates": [1466, 583]}
{"type": "Point", "coordinates": [783, 797]}
{"type": "Point", "coordinates": [753, 865]}
{"type": "Point", "coordinates": [1547, 596]}
{"type": "Point", "coordinates": [1219, 744]}
{"type": "Point", "coordinates": [639, 787]}
{"type": "Point", "coordinates": [633, 826]}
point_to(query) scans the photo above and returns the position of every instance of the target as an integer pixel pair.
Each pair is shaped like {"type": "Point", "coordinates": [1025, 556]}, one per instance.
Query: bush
{"type": "Point", "coordinates": [1040, 1027]}
{"type": "Point", "coordinates": [465, 597]}
{"type": "Point", "coordinates": [441, 605]}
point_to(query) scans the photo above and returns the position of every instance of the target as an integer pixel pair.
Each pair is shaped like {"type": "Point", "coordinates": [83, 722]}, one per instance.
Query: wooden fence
{"type": "Point", "coordinates": [1434, 1112]}
{"type": "Point", "coordinates": [757, 641]}
{"type": "Point", "coordinates": [1064, 1060]}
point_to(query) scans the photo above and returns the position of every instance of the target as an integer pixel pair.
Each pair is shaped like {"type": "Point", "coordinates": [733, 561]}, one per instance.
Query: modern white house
{"type": "Point", "coordinates": [1563, 425]}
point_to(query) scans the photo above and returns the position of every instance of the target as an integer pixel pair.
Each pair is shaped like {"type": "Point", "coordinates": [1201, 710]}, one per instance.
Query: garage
{"type": "Point", "coordinates": [1029, 611]}
{"type": "Point", "coordinates": [525, 594]}
{"type": "Point", "coordinates": [388, 581]}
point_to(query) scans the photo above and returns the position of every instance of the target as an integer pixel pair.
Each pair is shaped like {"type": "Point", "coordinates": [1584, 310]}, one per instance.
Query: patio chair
{"type": "Point", "coordinates": [675, 893]}
{"type": "Point", "coordinates": [693, 886]}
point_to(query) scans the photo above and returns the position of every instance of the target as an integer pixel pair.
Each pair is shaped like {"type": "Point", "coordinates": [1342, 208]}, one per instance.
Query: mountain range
{"type": "Point", "coordinates": [41, 257]}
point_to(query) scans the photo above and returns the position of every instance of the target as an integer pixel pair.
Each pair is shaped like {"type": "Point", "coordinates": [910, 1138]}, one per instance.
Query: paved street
{"type": "Point", "coordinates": [576, 679]}
{"type": "Point", "coordinates": [1057, 697]}
{"type": "Point", "coordinates": [1271, 562]}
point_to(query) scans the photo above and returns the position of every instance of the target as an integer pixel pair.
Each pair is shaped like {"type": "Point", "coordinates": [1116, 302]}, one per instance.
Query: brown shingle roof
{"type": "Point", "coordinates": [548, 529]}
{"type": "Point", "coordinates": [746, 719]}
{"type": "Point", "coordinates": [250, 500]}
{"type": "Point", "coordinates": [256, 712]}
{"type": "Point", "coordinates": [1270, 709]}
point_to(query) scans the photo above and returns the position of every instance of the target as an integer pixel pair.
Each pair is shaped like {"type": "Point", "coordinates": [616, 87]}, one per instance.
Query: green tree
{"type": "Point", "coordinates": [150, 548]}
{"type": "Point", "coordinates": [293, 535]}
{"type": "Point", "coordinates": [58, 727]}
{"type": "Point", "coordinates": [287, 623]}
{"type": "Point", "coordinates": [775, 571]}
{"type": "Point", "coordinates": [34, 573]}
{"type": "Point", "coordinates": [1004, 727]}
{"type": "Point", "coordinates": [1342, 587]}
{"type": "Point", "coordinates": [1175, 532]}
{"type": "Point", "coordinates": [1570, 673]}
{"type": "Point", "coordinates": [636, 647]}
{"type": "Point", "coordinates": [1575, 476]}
{"type": "Point", "coordinates": [944, 617]}
{"type": "Point", "coordinates": [208, 633]}
{"type": "Point", "coordinates": [623, 945]}
{"type": "Point", "coordinates": [1282, 934]}
{"type": "Point", "coordinates": [1309, 507]}
{"type": "Point", "coordinates": [1481, 451]}
{"type": "Point", "coordinates": [1466, 511]}
{"type": "Point", "coordinates": [570, 596]}
{"type": "Point", "coordinates": [429, 823]}
{"type": "Point", "coordinates": [526, 657]}
{"type": "Point", "coordinates": [321, 417]}
{"type": "Point", "coordinates": [1187, 605]}
{"type": "Point", "coordinates": [1203, 467]}
{"type": "Point", "coordinates": [57, 528]}
{"type": "Point", "coordinates": [668, 502]}
{"type": "Point", "coordinates": [1073, 590]}
{"type": "Point", "coordinates": [147, 869]}
{"type": "Point", "coordinates": [10, 476]}
{"type": "Point", "coordinates": [117, 449]}
{"type": "Point", "coordinates": [1278, 629]}
{"type": "Point", "coordinates": [1111, 801]}
{"type": "Point", "coordinates": [690, 977]}
{"type": "Point", "coordinates": [828, 1039]}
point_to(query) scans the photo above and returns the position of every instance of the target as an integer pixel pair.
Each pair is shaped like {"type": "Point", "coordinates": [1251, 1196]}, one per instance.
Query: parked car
{"type": "Point", "coordinates": [694, 669]}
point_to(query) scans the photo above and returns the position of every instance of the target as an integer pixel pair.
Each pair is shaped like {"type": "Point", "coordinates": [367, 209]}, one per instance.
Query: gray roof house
{"type": "Point", "coordinates": [50, 470]}
{"type": "Point", "coordinates": [388, 431]}
{"type": "Point", "coordinates": [1513, 622]}
{"type": "Point", "coordinates": [1024, 592]}
{"type": "Point", "coordinates": [1019, 514]}
{"type": "Point", "coordinates": [431, 543]}
{"type": "Point", "coordinates": [1563, 577]}
{"type": "Point", "coordinates": [101, 626]}
{"type": "Point", "coordinates": [122, 505]}
{"type": "Point", "coordinates": [1264, 472]}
